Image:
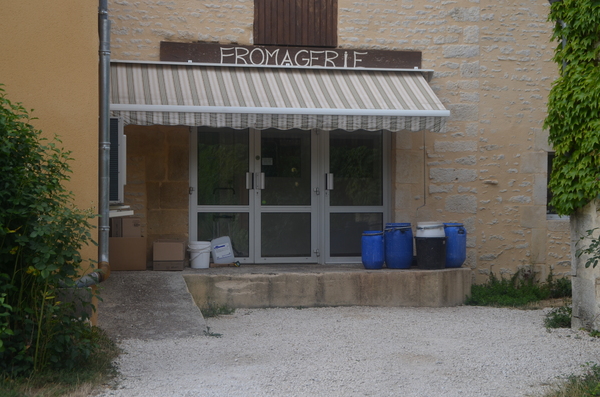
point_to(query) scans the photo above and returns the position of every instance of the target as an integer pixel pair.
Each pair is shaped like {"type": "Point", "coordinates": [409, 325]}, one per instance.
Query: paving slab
{"type": "Point", "coordinates": [148, 305]}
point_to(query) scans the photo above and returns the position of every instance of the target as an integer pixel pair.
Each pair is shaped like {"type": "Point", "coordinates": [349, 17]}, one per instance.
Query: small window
{"type": "Point", "coordinates": [311, 23]}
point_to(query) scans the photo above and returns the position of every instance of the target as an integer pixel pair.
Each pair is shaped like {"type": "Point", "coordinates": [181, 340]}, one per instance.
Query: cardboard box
{"type": "Point", "coordinates": [130, 226]}
{"type": "Point", "coordinates": [168, 251]}
{"type": "Point", "coordinates": [127, 253]}
{"type": "Point", "coordinates": [167, 265]}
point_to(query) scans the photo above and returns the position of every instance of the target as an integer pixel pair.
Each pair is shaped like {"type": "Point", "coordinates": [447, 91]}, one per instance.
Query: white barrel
{"type": "Point", "coordinates": [430, 229]}
{"type": "Point", "coordinates": [199, 254]}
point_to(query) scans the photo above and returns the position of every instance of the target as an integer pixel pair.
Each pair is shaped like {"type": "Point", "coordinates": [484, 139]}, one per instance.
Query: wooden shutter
{"type": "Point", "coordinates": [117, 162]}
{"type": "Point", "coordinates": [311, 23]}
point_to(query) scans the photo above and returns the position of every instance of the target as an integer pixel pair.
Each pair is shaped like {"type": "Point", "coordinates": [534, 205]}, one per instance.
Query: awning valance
{"type": "Point", "coordinates": [283, 98]}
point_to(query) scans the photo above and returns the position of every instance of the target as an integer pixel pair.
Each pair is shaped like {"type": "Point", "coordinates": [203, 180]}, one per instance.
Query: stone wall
{"type": "Point", "coordinates": [585, 280]}
{"type": "Point", "coordinates": [139, 27]}
{"type": "Point", "coordinates": [493, 71]}
{"type": "Point", "coordinates": [158, 181]}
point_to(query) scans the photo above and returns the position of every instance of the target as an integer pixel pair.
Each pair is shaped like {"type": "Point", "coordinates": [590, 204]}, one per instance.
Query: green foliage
{"type": "Point", "coordinates": [558, 288]}
{"type": "Point", "coordinates": [573, 117]}
{"type": "Point", "coordinates": [208, 332]}
{"type": "Point", "coordinates": [559, 317]}
{"type": "Point", "coordinates": [41, 235]}
{"type": "Point", "coordinates": [519, 290]}
{"type": "Point", "coordinates": [592, 250]}
{"type": "Point", "coordinates": [214, 310]}
{"type": "Point", "coordinates": [585, 385]}
{"type": "Point", "coordinates": [97, 369]}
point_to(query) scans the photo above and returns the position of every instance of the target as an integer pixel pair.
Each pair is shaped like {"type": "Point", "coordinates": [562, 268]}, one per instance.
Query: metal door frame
{"type": "Point", "coordinates": [254, 209]}
{"type": "Point", "coordinates": [327, 210]}
{"type": "Point", "coordinates": [259, 209]}
{"type": "Point", "coordinates": [319, 208]}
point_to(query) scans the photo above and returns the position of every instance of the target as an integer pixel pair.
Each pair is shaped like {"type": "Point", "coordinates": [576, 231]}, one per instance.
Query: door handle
{"type": "Point", "coordinates": [249, 180]}
{"type": "Point", "coordinates": [258, 180]}
{"type": "Point", "coordinates": [329, 181]}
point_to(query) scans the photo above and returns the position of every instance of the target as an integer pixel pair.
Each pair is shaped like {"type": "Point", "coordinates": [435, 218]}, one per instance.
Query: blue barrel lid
{"type": "Point", "coordinates": [372, 233]}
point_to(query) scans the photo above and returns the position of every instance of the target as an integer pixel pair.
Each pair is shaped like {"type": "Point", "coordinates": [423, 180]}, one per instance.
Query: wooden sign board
{"type": "Point", "coordinates": [233, 54]}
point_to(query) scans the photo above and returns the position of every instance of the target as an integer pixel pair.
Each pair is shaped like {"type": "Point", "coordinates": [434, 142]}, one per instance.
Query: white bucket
{"type": "Point", "coordinates": [222, 251]}
{"type": "Point", "coordinates": [199, 254]}
{"type": "Point", "coordinates": [430, 229]}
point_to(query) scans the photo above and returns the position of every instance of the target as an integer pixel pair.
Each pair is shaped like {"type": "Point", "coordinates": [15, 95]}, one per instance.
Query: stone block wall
{"type": "Point", "coordinates": [493, 71]}
{"type": "Point", "coordinates": [585, 280]}
{"type": "Point", "coordinates": [139, 27]}
{"type": "Point", "coordinates": [158, 181]}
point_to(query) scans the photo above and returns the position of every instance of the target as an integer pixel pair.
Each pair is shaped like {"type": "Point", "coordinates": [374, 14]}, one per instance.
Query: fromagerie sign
{"type": "Point", "coordinates": [288, 56]}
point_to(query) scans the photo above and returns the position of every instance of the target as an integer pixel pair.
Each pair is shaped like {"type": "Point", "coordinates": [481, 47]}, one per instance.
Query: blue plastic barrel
{"type": "Point", "coordinates": [372, 249]}
{"type": "Point", "coordinates": [456, 244]}
{"type": "Point", "coordinates": [398, 241]}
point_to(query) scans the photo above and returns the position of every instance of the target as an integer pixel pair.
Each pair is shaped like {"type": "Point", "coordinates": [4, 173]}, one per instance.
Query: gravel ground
{"type": "Point", "coordinates": [359, 351]}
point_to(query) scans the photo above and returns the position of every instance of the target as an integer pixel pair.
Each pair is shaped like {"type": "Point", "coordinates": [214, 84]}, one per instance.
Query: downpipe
{"type": "Point", "coordinates": [103, 271]}
{"type": "Point", "coordinates": [104, 151]}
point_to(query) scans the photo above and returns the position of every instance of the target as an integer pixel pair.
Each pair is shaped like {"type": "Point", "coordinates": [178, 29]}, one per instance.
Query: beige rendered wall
{"type": "Point", "coordinates": [493, 71]}
{"type": "Point", "coordinates": [49, 63]}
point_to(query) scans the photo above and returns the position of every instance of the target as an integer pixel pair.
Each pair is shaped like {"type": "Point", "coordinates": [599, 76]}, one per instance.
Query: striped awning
{"type": "Point", "coordinates": [270, 97]}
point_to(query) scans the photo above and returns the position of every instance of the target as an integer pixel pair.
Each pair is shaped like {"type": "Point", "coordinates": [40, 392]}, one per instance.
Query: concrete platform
{"type": "Point", "coordinates": [261, 286]}
{"type": "Point", "coordinates": [148, 305]}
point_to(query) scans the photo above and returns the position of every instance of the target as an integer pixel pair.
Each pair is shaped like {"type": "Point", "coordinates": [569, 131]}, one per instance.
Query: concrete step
{"type": "Point", "coordinates": [262, 286]}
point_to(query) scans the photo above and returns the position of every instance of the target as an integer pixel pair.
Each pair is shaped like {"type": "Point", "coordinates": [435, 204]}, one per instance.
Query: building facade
{"type": "Point", "coordinates": [49, 64]}
{"type": "Point", "coordinates": [484, 166]}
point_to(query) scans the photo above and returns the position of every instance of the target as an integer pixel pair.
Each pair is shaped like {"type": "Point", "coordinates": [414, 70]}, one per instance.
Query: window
{"type": "Point", "coordinates": [311, 23]}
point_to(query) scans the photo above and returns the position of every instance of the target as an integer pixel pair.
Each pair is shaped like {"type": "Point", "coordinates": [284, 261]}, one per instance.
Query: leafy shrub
{"type": "Point", "coordinates": [41, 235]}
{"type": "Point", "coordinates": [559, 317]}
{"type": "Point", "coordinates": [211, 309]}
{"type": "Point", "coordinates": [98, 369]}
{"type": "Point", "coordinates": [558, 288]}
{"type": "Point", "coordinates": [518, 290]}
{"type": "Point", "coordinates": [584, 385]}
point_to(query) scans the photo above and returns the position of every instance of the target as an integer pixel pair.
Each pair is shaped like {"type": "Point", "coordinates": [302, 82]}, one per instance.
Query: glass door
{"type": "Point", "coordinates": [284, 183]}
{"type": "Point", "coordinates": [289, 196]}
{"type": "Point", "coordinates": [220, 199]}
{"type": "Point", "coordinates": [258, 188]}
{"type": "Point", "coordinates": [355, 190]}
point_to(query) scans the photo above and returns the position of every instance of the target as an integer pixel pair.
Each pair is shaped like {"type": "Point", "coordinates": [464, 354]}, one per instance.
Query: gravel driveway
{"type": "Point", "coordinates": [358, 351]}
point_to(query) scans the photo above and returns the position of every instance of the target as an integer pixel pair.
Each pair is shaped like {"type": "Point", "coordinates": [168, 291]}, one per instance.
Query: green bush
{"type": "Point", "coordinates": [211, 309]}
{"type": "Point", "coordinates": [559, 317]}
{"type": "Point", "coordinates": [518, 290]}
{"type": "Point", "coordinates": [584, 385]}
{"type": "Point", "coordinates": [41, 235]}
{"type": "Point", "coordinates": [98, 369]}
{"type": "Point", "coordinates": [558, 288]}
